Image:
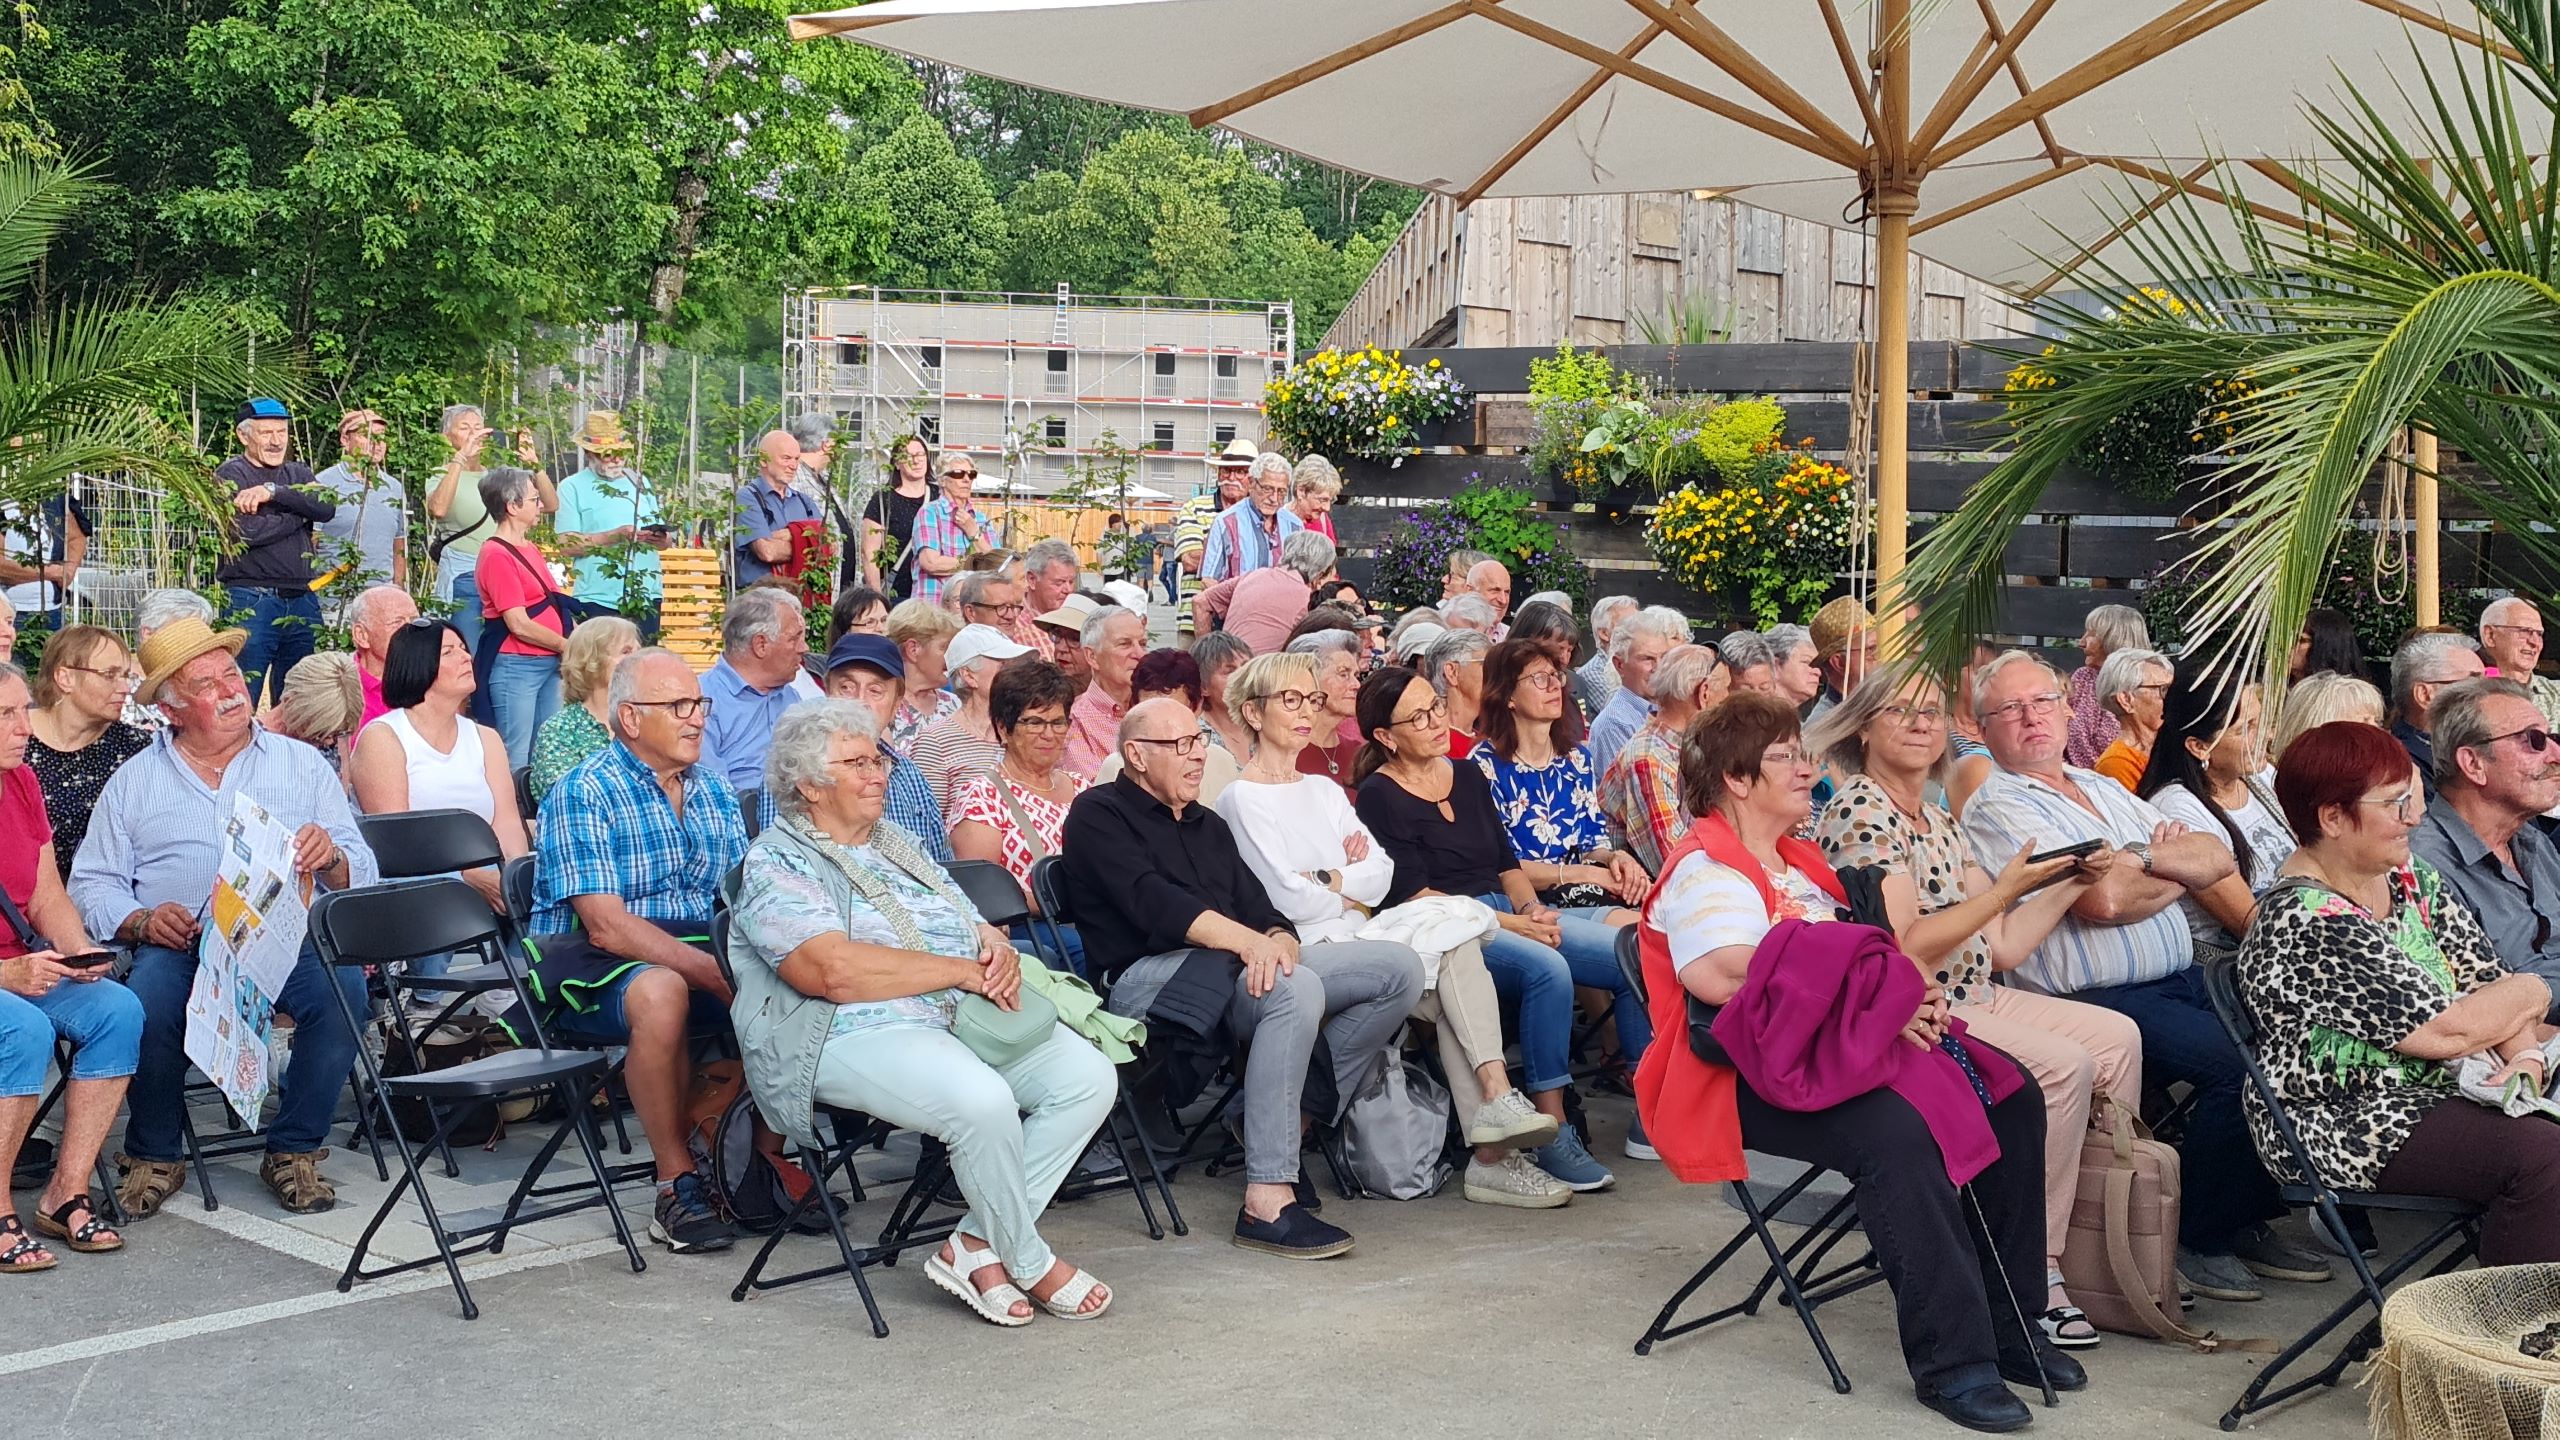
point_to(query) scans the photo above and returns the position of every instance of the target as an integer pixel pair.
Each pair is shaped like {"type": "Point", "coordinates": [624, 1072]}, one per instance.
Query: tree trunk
{"type": "Point", "coordinates": [692, 200]}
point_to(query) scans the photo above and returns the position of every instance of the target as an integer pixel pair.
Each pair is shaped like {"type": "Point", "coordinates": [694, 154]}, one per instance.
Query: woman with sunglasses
{"type": "Point", "coordinates": [949, 530]}
{"type": "Point", "coordinates": [1437, 820]}
{"type": "Point", "coordinates": [80, 736]}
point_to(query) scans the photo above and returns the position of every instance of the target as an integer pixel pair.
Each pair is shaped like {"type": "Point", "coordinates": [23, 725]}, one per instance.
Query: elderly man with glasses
{"type": "Point", "coordinates": [949, 529]}
{"type": "Point", "coordinates": [1246, 536]}
{"type": "Point", "coordinates": [2125, 945]}
{"type": "Point", "coordinates": [2497, 769]}
{"type": "Point", "coordinates": [633, 846]}
{"type": "Point", "coordinates": [2511, 639]}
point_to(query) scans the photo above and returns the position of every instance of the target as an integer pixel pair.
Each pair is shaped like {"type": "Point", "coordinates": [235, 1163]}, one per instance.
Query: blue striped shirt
{"type": "Point", "coordinates": [155, 837]}
{"type": "Point", "coordinates": [607, 829]}
{"type": "Point", "coordinates": [2013, 810]}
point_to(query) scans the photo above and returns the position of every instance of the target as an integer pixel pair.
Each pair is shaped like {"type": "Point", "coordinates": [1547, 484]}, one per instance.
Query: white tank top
{"type": "Point", "coordinates": [445, 781]}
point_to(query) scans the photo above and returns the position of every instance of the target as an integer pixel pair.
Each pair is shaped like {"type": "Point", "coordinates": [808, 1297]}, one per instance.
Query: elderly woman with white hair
{"type": "Point", "coordinates": [1798, 664]}
{"type": "Point", "coordinates": [2133, 685]}
{"type": "Point", "coordinates": [2108, 629]}
{"type": "Point", "coordinates": [1754, 663]}
{"type": "Point", "coordinates": [1454, 664]}
{"type": "Point", "coordinates": [1336, 742]}
{"type": "Point", "coordinates": [854, 952]}
{"type": "Point", "coordinates": [1595, 682]}
{"type": "Point", "coordinates": [1317, 485]}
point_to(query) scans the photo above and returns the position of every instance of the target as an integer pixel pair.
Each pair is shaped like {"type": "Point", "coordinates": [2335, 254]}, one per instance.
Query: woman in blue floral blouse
{"type": "Point", "coordinates": [1531, 752]}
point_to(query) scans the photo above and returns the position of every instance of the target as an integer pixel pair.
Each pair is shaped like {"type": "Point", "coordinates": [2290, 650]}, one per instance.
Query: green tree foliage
{"type": "Point", "coordinates": [942, 227]}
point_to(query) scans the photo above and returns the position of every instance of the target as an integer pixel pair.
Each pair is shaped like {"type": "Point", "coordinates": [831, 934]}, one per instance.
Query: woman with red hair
{"type": "Point", "coordinates": [2369, 982]}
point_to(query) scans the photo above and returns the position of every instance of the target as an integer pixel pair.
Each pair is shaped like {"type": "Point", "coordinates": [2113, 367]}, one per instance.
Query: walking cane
{"type": "Point", "coordinates": [2026, 1327]}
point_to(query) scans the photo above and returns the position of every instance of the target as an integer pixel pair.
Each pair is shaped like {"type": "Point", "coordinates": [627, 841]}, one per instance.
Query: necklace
{"type": "Point", "coordinates": [1911, 808]}
{"type": "Point", "coordinates": [1040, 787]}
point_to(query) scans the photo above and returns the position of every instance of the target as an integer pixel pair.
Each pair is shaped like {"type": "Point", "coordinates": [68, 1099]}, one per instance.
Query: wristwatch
{"type": "Point", "coordinates": [2140, 850]}
{"type": "Point", "coordinates": [1326, 878]}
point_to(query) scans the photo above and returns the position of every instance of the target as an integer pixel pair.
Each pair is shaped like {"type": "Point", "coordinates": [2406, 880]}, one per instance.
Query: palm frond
{"type": "Point", "coordinates": [37, 197]}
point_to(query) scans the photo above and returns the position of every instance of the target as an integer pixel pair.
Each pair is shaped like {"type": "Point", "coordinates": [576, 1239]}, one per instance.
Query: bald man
{"type": "Point", "coordinates": [1489, 580]}
{"type": "Point", "coordinates": [768, 507]}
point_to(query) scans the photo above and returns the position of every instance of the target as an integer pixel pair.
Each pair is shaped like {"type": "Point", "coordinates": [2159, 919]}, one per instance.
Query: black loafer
{"type": "Point", "coordinates": [1990, 1409]}
{"type": "Point", "coordinates": [1293, 1235]}
{"type": "Point", "coordinates": [2066, 1373]}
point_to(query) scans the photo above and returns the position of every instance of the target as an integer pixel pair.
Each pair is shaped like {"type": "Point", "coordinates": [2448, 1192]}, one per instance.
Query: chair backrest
{"type": "Point", "coordinates": [731, 885]}
{"type": "Point", "coordinates": [992, 889]}
{"type": "Point", "coordinates": [525, 802]}
{"type": "Point", "coordinates": [429, 842]}
{"type": "Point", "coordinates": [751, 810]}
{"type": "Point", "coordinates": [2222, 988]}
{"type": "Point", "coordinates": [1048, 884]}
{"type": "Point", "coordinates": [515, 882]}
{"type": "Point", "coordinates": [1631, 962]}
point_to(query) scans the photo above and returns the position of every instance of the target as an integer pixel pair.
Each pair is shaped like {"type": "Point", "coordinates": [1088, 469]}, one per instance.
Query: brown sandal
{"type": "Point", "coordinates": [294, 1176]}
{"type": "Point", "coordinates": [19, 1259]}
{"type": "Point", "coordinates": [92, 1236]}
{"type": "Point", "coordinates": [143, 1186]}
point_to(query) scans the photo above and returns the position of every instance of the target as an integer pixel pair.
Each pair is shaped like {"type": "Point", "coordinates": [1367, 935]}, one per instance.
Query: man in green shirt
{"type": "Point", "coordinates": [608, 520]}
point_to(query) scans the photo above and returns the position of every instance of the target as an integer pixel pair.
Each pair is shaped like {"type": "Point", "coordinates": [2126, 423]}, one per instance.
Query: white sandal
{"type": "Point", "coordinates": [1068, 1301]}
{"type": "Point", "coordinates": [993, 1306]}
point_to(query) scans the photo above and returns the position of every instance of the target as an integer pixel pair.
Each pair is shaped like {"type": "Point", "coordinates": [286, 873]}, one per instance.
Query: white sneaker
{"type": "Point", "coordinates": [1516, 1181]}
{"type": "Point", "coordinates": [1510, 1121]}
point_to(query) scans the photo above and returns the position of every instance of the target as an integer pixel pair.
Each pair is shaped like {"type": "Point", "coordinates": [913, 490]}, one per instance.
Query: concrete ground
{"type": "Point", "coordinates": [1449, 1319]}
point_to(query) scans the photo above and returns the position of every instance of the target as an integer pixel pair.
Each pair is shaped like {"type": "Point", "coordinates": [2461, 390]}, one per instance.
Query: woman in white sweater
{"type": "Point", "coordinates": [1327, 873]}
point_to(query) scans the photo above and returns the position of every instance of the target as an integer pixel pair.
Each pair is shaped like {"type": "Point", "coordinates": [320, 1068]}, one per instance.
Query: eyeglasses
{"type": "Point", "coordinates": [2532, 630]}
{"type": "Point", "coordinates": [1543, 680]}
{"type": "Point", "coordinates": [1272, 492]}
{"type": "Point", "coordinates": [687, 708]}
{"type": "Point", "coordinates": [1431, 714]}
{"type": "Point", "coordinates": [2044, 704]}
{"type": "Point", "coordinates": [1050, 724]}
{"type": "Point", "coordinates": [1927, 717]}
{"type": "Point", "coordinates": [1292, 701]}
{"type": "Point", "coordinates": [1785, 757]}
{"type": "Point", "coordinates": [1008, 611]}
{"type": "Point", "coordinates": [121, 679]}
{"type": "Point", "coordinates": [2535, 738]}
{"type": "Point", "coordinates": [2409, 805]}
{"type": "Point", "coordinates": [1185, 746]}
{"type": "Point", "coordinates": [871, 764]}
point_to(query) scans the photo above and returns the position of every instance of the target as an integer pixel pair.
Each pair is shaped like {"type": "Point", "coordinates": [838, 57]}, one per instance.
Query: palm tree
{"type": "Point", "coordinates": [85, 384]}
{"type": "Point", "coordinates": [2420, 287]}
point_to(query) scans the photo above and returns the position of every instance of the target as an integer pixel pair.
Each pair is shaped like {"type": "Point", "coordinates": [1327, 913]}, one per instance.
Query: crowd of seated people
{"type": "Point", "coordinates": [1287, 839]}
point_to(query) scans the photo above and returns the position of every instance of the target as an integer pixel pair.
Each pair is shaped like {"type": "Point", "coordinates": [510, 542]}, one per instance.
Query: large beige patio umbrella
{"type": "Point", "coordinates": [2004, 124]}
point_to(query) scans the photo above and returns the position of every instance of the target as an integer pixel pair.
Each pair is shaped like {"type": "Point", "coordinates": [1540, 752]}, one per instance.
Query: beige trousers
{"type": "Point", "coordinates": [2071, 1049]}
{"type": "Point", "coordinates": [1467, 1021]}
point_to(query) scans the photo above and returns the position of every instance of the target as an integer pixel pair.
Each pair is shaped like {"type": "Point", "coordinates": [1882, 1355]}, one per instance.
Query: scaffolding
{"type": "Point", "coordinates": [1030, 385]}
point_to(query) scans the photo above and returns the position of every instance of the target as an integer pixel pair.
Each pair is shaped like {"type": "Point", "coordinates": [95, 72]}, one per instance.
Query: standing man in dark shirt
{"type": "Point", "coordinates": [269, 580]}
{"type": "Point", "coordinates": [1163, 894]}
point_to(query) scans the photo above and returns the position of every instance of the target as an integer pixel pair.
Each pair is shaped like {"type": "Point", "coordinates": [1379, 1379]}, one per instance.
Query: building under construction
{"type": "Point", "coordinates": [1030, 385]}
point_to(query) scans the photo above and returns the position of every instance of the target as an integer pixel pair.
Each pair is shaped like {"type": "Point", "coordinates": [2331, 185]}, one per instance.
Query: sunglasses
{"type": "Point", "coordinates": [2536, 738]}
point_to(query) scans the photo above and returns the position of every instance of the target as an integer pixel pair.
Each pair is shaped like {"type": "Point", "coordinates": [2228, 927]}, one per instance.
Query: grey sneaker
{"type": "Point", "coordinates": [1511, 1122]}
{"type": "Point", "coordinates": [1638, 1147]}
{"type": "Point", "coordinates": [1513, 1181]}
{"type": "Point", "coordinates": [2264, 1251]}
{"type": "Point", "coordinates": [2217, 1277]}
{"type": "Point", "coordinates": [1567, 1160]}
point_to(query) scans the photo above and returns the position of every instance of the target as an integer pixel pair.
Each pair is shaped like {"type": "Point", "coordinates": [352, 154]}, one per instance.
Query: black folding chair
{"type": "Point", "coordinates": [386, 924]}
{"type": "Point", "coordinates": [1796, 1270]}
{"type": "Point", "coordinates": [30, 1174]}
{"type": "Point", "coordinates": [845, 1134]}
{"type": "Point", "coordinates": [751, 810]}
{"type": "Point", "coordinates": [2459, 1227]}
{"type": "Point", "coordinates": [1000, 902]}
{"type": "Point", "coordinates": [525, 802]}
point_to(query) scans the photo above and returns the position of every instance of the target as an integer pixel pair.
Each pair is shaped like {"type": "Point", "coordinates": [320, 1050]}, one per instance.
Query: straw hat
{"type": "Point", "coordinates": [1836, 623]}
{"type": "Point", "coordinates": [1239, 454]}
{"type": "Point", "coordinates": [602, 434]}
{"type": "Point", "coordinates": [173, 645]}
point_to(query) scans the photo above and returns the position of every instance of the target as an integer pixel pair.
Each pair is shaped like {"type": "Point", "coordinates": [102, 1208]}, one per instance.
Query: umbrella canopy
{"type": "Point", "coordinates": [2004, 135]}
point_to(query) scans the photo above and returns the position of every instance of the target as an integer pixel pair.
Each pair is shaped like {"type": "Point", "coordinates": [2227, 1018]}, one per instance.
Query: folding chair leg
{"type": "Point", "coordinates": [2368, 1294]}
{"type": "Point", "coordinates": [195, 1155]}
{"type": "Point", "coordinates": [1781, 1270]}
{"type": "Point", "coordinates": [533, 1172]}
{"type": "Point", "coordinates": [932, 1166]}
{"type": "Point", "coordinates": [1123, 1112]}
{"type": "Point", "coordinates": [604, 1181]}
{"type": "Point", "coordinates": [410, 1177]}
{"type": "Point", "coordinates": [821, 1169]}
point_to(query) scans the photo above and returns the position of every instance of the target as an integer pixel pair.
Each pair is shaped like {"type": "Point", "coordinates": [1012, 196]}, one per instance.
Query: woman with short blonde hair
{"type": "Point", "coordinates": [320, 704]}
{"type": "Point", "coordinates": [583, 724]}
{"type": "Point", "coordinates": [2317, 700]}
{"type": "Point", "coordinates": [1314, 486]}
{"type": "Point", "coordinates": [922, 630]}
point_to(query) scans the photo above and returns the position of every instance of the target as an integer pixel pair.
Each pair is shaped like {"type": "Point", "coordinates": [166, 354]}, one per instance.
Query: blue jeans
{"type": "Point", "coordinates": [324, 1053]}
{"type": "Point", "coordinates": [524, 690]}
{"type": "Point", "coordinates": [1035, 939]}
{"type": "Point", "coordinates": [281, 632]}
{"type": "Point", "coordinates": [1541, 980]}
{"type": "Point", "coordinates": [100, 1018]}
{"type": "Point", "coordinates": [2183, 1040]}
{"type": "Point", "coordinates": [461, 585]}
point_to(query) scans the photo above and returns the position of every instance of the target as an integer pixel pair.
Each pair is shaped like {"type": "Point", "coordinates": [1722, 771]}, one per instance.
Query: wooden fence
{"type": "Point", "coordinates": [2089, 543]}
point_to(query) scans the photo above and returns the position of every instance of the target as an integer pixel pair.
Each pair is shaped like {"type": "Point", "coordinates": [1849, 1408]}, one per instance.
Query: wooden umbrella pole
{"type": "Point", "coordinates": [1896, 198]}
{"type": "Point", "coordinates": [2424, 522]}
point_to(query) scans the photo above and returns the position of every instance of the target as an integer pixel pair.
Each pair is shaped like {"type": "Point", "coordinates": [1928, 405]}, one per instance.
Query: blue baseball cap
{"type": "Point", "coordinates": [877, 651]}
{"type": "Point", "coordinates": [262, 408]}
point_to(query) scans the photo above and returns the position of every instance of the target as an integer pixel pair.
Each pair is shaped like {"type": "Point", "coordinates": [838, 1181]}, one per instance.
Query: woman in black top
{"type": "Point", "coordinates": [79, 734]}
{"type": "Point", "coordinates": [1438, 822]}
{"type": "Point", "coordinates": [890, 515]}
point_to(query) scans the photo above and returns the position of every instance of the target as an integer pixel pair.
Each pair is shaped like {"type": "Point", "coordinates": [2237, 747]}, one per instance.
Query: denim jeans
{"type": "Point", "coordinates": [1356, 994]}
{"type": "Point", "coordinates": [524, 690]}
{"type": "Point", "coordinates": [1541, 978]}
{"type": "Point", "coordinates": [281, 632]}
{"type": "Point", "coordinates": [1013, 1132]}
{"type": "Point", "coordinates": [100, 1018]}
{"type": "Point", "coordinates": [1035, 938]}
{"type": "Point", "coordinates": [457, 582]}
{"type": "Point", "coordinates": [324, 1053]}
{"type": "Point", "coordinates": [2229, 1189]}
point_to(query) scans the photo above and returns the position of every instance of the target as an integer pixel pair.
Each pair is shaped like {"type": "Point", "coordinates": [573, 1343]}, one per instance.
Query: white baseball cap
{"type": "Point", "coordinates": [1071, 613]}
{"type": "Point", "coordinates": [982, 642]}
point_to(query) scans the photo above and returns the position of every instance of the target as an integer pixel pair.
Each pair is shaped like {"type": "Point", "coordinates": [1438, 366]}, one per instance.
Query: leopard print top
{"type": "Point", "coordinates": [2333, 989]}
{"type": "Point", "coordinates": [1862, 826]}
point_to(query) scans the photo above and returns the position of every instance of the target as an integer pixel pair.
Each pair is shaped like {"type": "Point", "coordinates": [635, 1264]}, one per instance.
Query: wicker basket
{"type": "Point", "coordinates": [689, 605]}
{"type": "Point", "coordinates": [2450, 1368]}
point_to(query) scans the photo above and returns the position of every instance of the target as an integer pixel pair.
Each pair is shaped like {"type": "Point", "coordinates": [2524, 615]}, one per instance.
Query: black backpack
{"type": "Point", "coordinates": [755, 1190]}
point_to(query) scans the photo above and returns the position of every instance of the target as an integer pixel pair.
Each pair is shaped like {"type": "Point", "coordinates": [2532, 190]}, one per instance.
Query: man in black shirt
{"type": "Point", "coordinates": [1162, 894]}
{"type": "Point", "coordinates": [269, 579]}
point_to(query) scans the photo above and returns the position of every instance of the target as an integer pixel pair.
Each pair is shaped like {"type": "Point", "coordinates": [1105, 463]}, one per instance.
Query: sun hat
{"type": "Point", "coordinates": [1127, 594]}
{"type": "Point", "coordinates": [1239, 454]}
{"type": "Point", "coordinates": [981, 642]}
{"type": "Point", "coordinates": [603, 434]}
{"type": "Point", "coordinates": [1071, 613]}
{"type": "Point", "coordinates": [173, 646]}
{"type": "Point", "coordinates": [1417, 638]}
{"type": "Point", "coordinates": [877, 651]}
{"type": "Point", "coordinates": [1835, 623]}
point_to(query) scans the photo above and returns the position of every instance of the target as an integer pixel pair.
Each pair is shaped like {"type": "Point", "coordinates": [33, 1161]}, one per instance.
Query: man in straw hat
{"type": "Point", "coordinates": [608, 519]}
{"type": "Point", "coordinates": [276, 502]}
{"type": "Point", "coordinates": [1227, 471]}
{"type": "Point", "coordinates": [146, 871]}
{"type": "Point", "coordinates": [1844, 649]}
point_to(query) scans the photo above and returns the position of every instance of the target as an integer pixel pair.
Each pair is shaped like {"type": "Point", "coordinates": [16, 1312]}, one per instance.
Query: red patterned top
{"type": "Point", "coordinates": [975, 798]}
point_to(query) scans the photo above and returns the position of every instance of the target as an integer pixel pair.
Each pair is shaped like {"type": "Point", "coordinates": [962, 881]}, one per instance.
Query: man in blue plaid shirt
{"type": "Point", "coordinates": [634, 843]}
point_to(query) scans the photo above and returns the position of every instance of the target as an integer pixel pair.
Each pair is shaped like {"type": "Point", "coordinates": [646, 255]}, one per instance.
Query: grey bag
{"type": "Point", "coordinates": [1389, 1143]}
